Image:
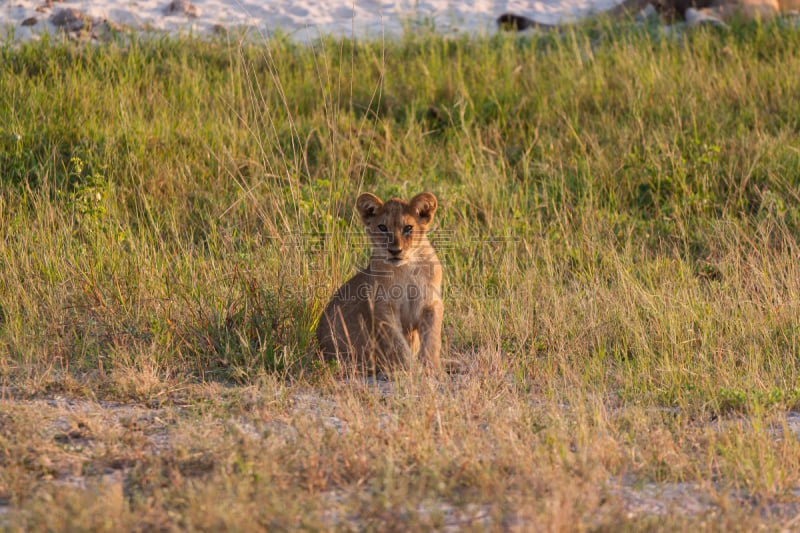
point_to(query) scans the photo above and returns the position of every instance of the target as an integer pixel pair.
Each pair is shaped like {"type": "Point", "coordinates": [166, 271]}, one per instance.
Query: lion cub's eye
{"type": "Point", "coordinates": [382, 227]}
{"type": "Point", "coordinates": [407, 229]}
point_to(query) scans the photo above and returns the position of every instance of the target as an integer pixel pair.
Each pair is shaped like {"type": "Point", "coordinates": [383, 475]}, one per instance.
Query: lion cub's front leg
{"type": "Point", "coordinates": [430, 334]}
{"type": "Point", "coordinates": [392, 346]}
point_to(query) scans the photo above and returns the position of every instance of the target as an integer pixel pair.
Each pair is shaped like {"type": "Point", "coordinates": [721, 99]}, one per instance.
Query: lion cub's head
{"type": "Point", "coordinates": [396, 228]}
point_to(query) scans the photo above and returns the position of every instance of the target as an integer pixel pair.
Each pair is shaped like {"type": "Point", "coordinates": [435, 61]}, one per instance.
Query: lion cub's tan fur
{"type": "Point", "coordinates": [376, 319]}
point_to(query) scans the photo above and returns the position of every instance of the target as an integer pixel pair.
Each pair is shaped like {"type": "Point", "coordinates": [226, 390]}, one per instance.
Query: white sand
{"type": "Point", "coordinates": [303, 19]}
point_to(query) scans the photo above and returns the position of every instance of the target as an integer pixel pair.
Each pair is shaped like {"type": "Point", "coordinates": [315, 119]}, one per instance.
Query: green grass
{"type": "Point", "coordinates": [619, 223]}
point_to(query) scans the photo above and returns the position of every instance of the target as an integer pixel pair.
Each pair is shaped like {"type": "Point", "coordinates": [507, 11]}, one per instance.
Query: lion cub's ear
{"type": "Point", "coordinates": [424, 205]}
{"type": "Point", "coordinates": [367, 206]}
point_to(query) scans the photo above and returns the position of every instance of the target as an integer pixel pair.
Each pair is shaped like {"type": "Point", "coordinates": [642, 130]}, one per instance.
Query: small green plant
{"type": "Point", "coordinates": [87, 197]}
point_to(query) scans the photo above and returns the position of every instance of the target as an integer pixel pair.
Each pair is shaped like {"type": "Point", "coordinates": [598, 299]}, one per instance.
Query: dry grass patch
{"type": "Point", "coordinates": [476, 450]}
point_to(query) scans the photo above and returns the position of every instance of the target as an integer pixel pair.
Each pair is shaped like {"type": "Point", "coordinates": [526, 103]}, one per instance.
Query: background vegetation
{"type": "Point", "coordinates": [619, 222]}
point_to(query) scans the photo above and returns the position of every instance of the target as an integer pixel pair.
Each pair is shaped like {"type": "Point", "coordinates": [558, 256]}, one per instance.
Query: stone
{"type": "Point", "coordinates": [68, 19]}
{"type": "Point", "coordinates": [697, 17]}
{"type": "Point", "coordinates": [181, 7]}
{"type": "Point", "coordinates": [104, 29]}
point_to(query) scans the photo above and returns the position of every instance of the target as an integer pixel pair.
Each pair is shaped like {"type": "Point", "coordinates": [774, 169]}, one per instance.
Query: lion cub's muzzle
{"type": "Point", "coordinates": [391, 250]}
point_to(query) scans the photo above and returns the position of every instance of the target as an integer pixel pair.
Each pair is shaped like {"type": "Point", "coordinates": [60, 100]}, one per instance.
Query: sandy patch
{"type": "Point", "coordinates": [303, 19]}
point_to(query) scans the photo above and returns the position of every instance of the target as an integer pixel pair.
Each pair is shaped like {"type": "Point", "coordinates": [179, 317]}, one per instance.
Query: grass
{"type": "Point", "coordinates": [619, 220]}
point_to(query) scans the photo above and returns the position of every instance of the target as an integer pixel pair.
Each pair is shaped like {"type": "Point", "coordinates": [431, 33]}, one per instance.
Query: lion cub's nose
{"type": "Point", "coordinates": [395, 252]}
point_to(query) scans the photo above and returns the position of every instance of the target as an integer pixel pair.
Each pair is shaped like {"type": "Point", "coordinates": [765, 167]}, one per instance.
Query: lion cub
{"type": "Point", "coordinates": [375, 319]}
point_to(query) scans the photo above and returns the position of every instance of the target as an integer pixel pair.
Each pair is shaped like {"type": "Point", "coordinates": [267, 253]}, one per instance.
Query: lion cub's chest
{"type": "Point", "coordinates": [404, 294]}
